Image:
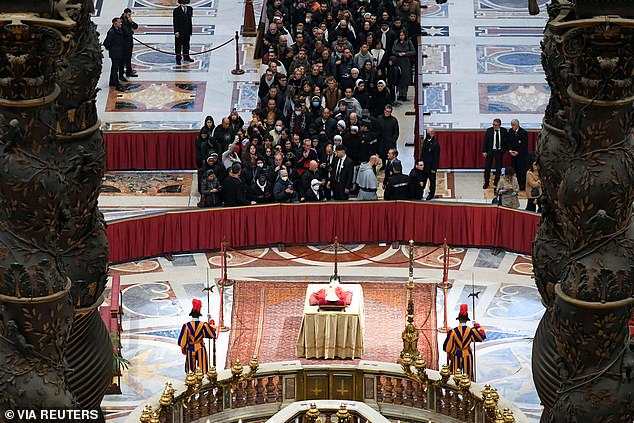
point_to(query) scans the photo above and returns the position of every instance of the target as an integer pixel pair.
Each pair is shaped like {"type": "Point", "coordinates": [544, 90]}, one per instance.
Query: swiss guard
{"type": "Point", "coordinates": [458, 343]}
{"type": "Point", "coordinates": [192, 340]}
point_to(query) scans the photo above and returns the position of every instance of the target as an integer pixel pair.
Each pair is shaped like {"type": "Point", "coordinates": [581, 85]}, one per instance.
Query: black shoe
{"type": "Point", "coordinates": [123, 79]}
{"type": "Point", "coordinates": [132, 74]}
{"type": "Point", "coordinates": [189, 59]}
{"type": "Point", "coordinates": [485, 186]}
{"type": "Point", "coordinates": [178, 61]}
{"type": "Point", "coordinates": [429, 197]}
{"type": "Point", "coordinates": [120, 87]}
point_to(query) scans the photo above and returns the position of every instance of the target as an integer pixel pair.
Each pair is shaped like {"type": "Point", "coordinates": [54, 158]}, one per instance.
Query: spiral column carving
{"type": "Point", "coordinates": [583, 358]}
{"type": "Point", "coordinates": [53, 247]}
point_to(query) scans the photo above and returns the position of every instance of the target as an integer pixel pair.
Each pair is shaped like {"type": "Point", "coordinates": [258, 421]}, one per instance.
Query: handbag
{"type": "Point", "coordinates": [534, 192]}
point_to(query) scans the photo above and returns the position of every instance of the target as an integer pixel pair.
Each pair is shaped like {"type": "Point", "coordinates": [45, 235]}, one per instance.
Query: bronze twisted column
{"type": "Point", "coordinates": [54, 349]}
{"type": "Point", "coordinates": [584, 251]}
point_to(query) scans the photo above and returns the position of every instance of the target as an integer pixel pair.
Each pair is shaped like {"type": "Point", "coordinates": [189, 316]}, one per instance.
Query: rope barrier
{"type": "Point", "coordinates": [281, 258]}
{"type": "Point", "coordinates": [380, 262]}
{"type": "Point", "coordinates": [190, 54]}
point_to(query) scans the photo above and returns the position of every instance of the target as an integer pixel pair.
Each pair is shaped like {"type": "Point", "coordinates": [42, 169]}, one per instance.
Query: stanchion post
{"type": "Point", "coordinates": [223, 282]}
{"type": "Point", "coordinates": [445, 285]}
{"type": "Point", "coordinates": [237, 70]}
{"type": "Point", "coordinates": [248, 27]}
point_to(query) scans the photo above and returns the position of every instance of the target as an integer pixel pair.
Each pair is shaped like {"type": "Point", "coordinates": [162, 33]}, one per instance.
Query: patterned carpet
{"type": "Point", "coordinates": [267, 316]}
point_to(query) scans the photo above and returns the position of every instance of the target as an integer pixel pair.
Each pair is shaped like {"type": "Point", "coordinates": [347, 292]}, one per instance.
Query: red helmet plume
{"type": "Point", "coordinates": [196, 305]}
{"type": "Point", "coordinates": [463, 315]}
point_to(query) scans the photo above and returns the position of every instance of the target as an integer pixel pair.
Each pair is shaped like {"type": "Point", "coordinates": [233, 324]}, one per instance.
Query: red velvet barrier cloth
{"type": "Point", "coordinates": [381, 221]}
{"type": "Point", "coordinates": [151, 150]}
{"type": "Point", "coordinates": [462, 149]}
{"type": "Point", "coordinates": [162, 150]}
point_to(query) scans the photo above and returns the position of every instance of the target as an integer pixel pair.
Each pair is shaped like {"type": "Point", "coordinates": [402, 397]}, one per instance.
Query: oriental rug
{"type": "Point", "coordinates": [266, 317]}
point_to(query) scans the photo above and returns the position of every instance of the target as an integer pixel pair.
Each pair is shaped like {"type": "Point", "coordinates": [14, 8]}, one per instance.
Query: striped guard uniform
{"type": "Point", "coordinates": [458, 347]}
{"type": "Point", "coordinates": [192, 343]}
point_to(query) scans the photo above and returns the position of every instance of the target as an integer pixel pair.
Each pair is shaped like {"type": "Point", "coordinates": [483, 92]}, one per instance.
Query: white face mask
{"type": "Point", "coordinates": [298, 112]}
{"type": "Point", "coordinates": [284, 178]}
{"type": "Point", "coordinates": [278, 128]}
{"type": "Point", "coordinates": [260, 164]}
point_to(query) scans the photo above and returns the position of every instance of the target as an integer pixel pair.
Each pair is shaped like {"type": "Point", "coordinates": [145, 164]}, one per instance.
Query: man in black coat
{"type": "Point", "coordinates": [128, 26]}
{"type": "Point", "coordinates": [387, 130]}
{"type": "Point", "coordinates": [115, 45]}
{"type": "Point", "coordinates": [182, 30]}
{"type": "Point", "coordinates": [223, 135]}
{"type": "Point", "coordinates": [430, 155]}
{"type": "Point", "coordinates": [234, 190]}
{"type": "Point", "coordinates": [342, 174]}
{"type": "Point", "coordinates": [397, 186]}
{"type": "Point", "coordinates": [518, 149]}
{"type": "Point", "coordinates": [494, 145]}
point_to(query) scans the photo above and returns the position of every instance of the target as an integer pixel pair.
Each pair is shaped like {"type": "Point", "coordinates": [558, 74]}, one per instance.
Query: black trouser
{"type": "Point", "coordinates": [338, 192]}
{"type": "Point", "coordinates": [181, 44]}
{"type": "Point", "coordinates": [116, 71]}
{"type": "Point", "coordinates": [128, 55]}
{"type": "Point", "coordinates": [534, 205]}
{"type": "Point", "coordinates": [497, 155]}
{"type": "Point", "coordinates": [432, 183]}
{"type": "Point", "coordinates": [519, 163]}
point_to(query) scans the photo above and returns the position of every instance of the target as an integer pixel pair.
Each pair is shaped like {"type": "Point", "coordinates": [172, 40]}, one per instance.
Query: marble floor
{"type": "Point", "coordinates": [157, 297]}
{"type": "Point", "coordinates": [483, 63]}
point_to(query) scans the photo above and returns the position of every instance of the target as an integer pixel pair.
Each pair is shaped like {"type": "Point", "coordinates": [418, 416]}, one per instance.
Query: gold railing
{"type": "Point", "coordinates": [384, 387]}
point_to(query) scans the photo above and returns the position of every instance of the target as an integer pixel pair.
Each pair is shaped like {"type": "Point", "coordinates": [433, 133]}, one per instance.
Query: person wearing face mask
{"type": "Point", "coordinates": [261, 191]}
{"type": "Point", "coordinates": [367, 180]}
{"type": "Point", "coordinates": [201, 141]}
{"type": "Point", "coordinates": [308, 176]}
{"type": "Point", "coordinates": [283, 191]}
{"type": "Point", "coordinates": [315, 193]}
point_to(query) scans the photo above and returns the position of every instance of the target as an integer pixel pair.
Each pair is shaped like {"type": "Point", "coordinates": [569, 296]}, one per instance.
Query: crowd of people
{"type": "Point", "coordinates": [238, 167]}
{"type": "Point", "coordinates": [331, 73]}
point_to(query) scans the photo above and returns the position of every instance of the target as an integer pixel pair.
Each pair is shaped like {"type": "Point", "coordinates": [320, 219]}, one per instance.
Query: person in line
{"type": "Point", "coordinates": [128, 26]}
{"type": "Point", "coordinates": [234, 190]}
{"type": "Point", "coordinates": [115, 45]}
{"type": "Point", "coordinates": [387, 130]}
{"type": "Point", "coordinates": [431, 157]}
{"type": "Point", "coordinates": [342, 174]}
{"type": "Point", "coordinates": [418, 180]}
{"type": "Point", "coordinates": [457, 345]}
{"type": "Point", "coordinates": [315, 193]}
{"type": "Point", "coordinates": [182, 20]}
{"type": "Point", "coordinates": [261, 191]}
{"type": "Point", "coordinates": [210, 190]}
{"type": "Point", "coordinates": [533, 188]}
{"type": "Point", "coordinates": [493, 148]}
{"type": "Point", "coordinates": [397, 185]}
{"type": "Point", "coordinates": [518, 149]}
{"type": "Point", "coordinates": [283, 191]}
{"type": "Point", "coordinates": [367, 180]}
{"type": "Point", "coordinates": [192, 340]}
{"type": "Point", "coordinates": [508, 188]}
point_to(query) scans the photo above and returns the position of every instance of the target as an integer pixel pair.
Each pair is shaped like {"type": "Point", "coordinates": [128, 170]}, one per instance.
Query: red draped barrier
{"type": "Point", "coordinates": [152, 150]}
{"type": "Point", "coordinates": [463, 149]}
{"type": "Point", "coordinates": [162, 150]}
{"type": "Point", "coordinates": [382, 221]}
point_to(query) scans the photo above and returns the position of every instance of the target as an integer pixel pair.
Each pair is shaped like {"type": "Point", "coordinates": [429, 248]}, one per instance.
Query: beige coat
{"type": "Point", "coordinates": [533, 181]}
{"type": "Point", "coordinates": [508, 192]}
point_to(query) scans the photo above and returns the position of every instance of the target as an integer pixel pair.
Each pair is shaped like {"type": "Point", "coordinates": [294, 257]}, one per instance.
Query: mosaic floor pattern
{"type": "Point", "coordinates": [483, 60]}
{"type": "Point", "coordinates": [157, 297]}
